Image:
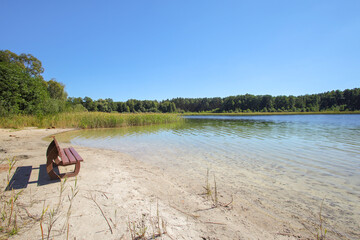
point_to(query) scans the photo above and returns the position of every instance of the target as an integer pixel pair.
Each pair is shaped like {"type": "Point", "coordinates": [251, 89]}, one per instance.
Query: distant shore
{"type": "Point", "coordinates": [268, 113]}
{"type": "Point", "coordinates": [86, 120]}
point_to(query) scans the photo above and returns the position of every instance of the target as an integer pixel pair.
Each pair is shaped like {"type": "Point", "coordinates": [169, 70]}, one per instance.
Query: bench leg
{"type": "Point", "coordinates": [50, 170]}
{"type": "Point", "coordinates": [74, 173]}
{"type": "Point", "coordinates": [53, 175]}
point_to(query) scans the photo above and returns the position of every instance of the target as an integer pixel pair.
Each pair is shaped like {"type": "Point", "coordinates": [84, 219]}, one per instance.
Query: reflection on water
{"type": "Point", "coordinates": [312, 156]}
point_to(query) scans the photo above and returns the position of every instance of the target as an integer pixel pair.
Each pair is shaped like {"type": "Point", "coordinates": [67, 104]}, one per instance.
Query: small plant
{"type": "Point", "coordinates": [44, 210]}
{"type": "Point", "coordinates": [74, 192]}
{"type": "Point", "coordinates": [50, 216]}
{"type": "Point", "coordinates": [8, 225]}
{"type": "Point", "coordinates": [11, 164]}
{"type": "Point", "coordinates": [137, 229]}
{"type": "Point", "coordinates": [114, 222]}
{"type": "Point", "coordinates": [208, 192]}
{"type": "Point", "coordinates": [61, 190]}
{"type": "Point", "coordinates": [321, 231]}
{"type": "Point", "coordinates": [213, 195]}
{"type": "Point", "coordinates": [207, 187]}
{"type": "Point", "coordinates": [53, 217]}
{"type": "Point", "coordinates": [158, 224]}
{"type": "Point", "coordinates": [53, 214]}
{"type": "Point", "coordinates": [215, 200]}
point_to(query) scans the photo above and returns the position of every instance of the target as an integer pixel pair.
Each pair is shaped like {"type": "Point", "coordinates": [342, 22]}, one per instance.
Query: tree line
{"type": "Point", "coordinates": [347, 100]}
{"type": "Point", "coordinates": [23, 90]}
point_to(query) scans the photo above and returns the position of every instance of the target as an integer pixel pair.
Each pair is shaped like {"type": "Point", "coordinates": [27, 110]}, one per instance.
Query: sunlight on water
{"type": "Point", "coordinates": [277, 157]}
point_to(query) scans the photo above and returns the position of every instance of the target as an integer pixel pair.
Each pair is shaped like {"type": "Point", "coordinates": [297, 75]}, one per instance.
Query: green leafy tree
{"type": "Point", "coordinates": [27, 62]}
{"type": "Point", "coordinates": [89, 104]}
{"type": "Point", "coordinates": [56, 90]}
{"type": "Point", "coordinates": [22, 88]}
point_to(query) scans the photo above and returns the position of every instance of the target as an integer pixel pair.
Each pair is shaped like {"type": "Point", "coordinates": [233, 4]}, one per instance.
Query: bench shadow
{"type": "Point", "coordinates": [21, 177]}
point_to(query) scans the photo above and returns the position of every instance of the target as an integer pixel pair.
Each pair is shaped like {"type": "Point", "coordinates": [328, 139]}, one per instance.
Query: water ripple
{"type": "Point", "coordinates": [312, 154]}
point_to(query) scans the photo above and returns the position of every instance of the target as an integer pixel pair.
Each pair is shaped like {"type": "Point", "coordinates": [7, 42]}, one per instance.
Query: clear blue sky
{"type": "Point", "coordinates": [152, 49]}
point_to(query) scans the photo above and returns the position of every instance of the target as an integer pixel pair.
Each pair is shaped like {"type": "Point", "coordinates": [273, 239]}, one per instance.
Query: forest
{"type": "Point", "coordinates": [23, 90]}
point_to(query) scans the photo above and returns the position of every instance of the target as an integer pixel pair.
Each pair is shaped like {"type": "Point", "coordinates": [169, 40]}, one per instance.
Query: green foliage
{"type": "Point", "coordinates": [89, 104]}
{"type": "Point", "coordinates": [23, 89]}
{"type": "Point", "coordinates": [56, 90]}
{"type": "Point", "coordinates": [26, 62]}
{"type": "Point", "coordinates": [20, 92]}
{"type": "Point", "coordinates": [347, 100]}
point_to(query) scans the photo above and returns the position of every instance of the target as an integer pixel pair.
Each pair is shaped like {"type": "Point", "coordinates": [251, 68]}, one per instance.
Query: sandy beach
{"type": "Point", "coordinates": [118, 196]}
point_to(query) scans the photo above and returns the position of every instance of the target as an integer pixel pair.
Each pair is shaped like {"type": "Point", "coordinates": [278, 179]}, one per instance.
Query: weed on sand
{"type": "Point", "coordinates": [9, 208]}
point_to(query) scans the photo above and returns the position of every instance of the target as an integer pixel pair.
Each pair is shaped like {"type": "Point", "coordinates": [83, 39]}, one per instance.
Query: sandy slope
{"type": "Point", "coordinates": [127, 191]}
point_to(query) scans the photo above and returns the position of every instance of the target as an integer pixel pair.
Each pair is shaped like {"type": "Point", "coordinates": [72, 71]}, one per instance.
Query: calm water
{"type": "Point", "coordinates": [294, 160]}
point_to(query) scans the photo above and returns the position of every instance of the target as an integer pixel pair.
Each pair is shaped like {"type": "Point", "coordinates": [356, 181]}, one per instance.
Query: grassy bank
{"type": "Point", "coordinates": [269, 113]}
{"type": "Point", "coordinates": [87, 120]}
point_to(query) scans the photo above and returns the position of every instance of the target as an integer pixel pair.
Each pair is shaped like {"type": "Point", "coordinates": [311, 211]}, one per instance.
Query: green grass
{"type": "Point", "coordinates": [268, 113]}
{"type": "Point", "coordinates": [87, 120]}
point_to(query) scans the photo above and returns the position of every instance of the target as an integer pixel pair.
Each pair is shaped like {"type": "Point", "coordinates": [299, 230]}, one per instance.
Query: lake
{"type": "Point", "coordinates": [288, 163]}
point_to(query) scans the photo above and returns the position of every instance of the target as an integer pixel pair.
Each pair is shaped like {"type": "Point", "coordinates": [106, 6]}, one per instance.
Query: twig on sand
{"type": "Point", "coordinates": [186, 213]}
{"type": "Point", "coordinates": [228, 204]}
{"type": "Point", "coordinates": [214, 223]}
{"type": "Point", "coordinates": [102, 212]}
{"type": "Point", "coordinates": [206, 209]}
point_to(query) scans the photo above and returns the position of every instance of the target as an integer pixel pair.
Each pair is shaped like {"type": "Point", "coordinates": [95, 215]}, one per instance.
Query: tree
{"type": "Point", "coordinates": [22, 89]}
{"type": "Point", "coordinates": [27, 62]}
{"type": "Point", "coordinates": [103, 105]}
{"type": "Point", "coordinates": [89, 104]}
{"type": "Point", "coordinates": [56, 90]}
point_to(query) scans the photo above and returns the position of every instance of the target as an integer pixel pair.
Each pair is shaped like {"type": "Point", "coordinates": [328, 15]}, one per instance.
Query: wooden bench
{"type": "Point", "coordinates": [61, 157]}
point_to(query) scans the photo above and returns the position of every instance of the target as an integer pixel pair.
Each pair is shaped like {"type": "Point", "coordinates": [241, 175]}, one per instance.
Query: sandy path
{"type": "Point", "coordinates": [127, 191]}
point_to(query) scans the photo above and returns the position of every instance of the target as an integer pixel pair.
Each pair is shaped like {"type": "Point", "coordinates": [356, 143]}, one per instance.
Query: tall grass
{"type": "Point", "coordinates": [87, 120]}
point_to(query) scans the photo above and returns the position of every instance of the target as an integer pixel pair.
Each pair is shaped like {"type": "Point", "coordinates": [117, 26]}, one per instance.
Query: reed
{"type": "Point", "coordinates": [87, 120]}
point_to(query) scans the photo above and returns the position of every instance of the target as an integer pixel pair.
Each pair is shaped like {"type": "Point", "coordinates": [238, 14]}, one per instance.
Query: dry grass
{"type": "Point", "coordinates": [50, 215]}
{"type": "Point", "coordinates": [213, 194]}
{"type": "Point", "coordinates": [148, 227]}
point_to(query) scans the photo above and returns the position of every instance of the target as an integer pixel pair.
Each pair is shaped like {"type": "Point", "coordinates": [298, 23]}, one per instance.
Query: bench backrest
{"type": "Point", "coordinates": [59, 150]}
{"type": "Point", "coordinates": [54, 151]}
{"type": "Point", "coordinates": [61, 156]}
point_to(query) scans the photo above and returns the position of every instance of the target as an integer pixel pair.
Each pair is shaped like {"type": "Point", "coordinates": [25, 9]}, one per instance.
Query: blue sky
{"type": "Point", "coordinates": [154, 49]}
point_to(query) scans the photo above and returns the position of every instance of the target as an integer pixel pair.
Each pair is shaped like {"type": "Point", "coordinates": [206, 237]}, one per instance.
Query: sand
{"type": "Point", "coordinates": [117, 195]}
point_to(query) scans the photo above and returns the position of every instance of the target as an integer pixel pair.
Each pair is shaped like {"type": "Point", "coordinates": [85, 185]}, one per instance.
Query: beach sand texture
{"type": "Point", "coordinates": [118, 195]}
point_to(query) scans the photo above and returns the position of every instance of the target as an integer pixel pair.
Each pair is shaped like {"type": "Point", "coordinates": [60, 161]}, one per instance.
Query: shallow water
{"type": "Point", "coordinates": [287, 160]}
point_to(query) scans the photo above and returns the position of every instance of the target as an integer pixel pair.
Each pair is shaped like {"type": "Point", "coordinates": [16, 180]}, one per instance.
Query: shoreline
{"type": "Point", "coordinates": [129, 191]}
{"type": "Point", "coordinates": [271, 113]}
